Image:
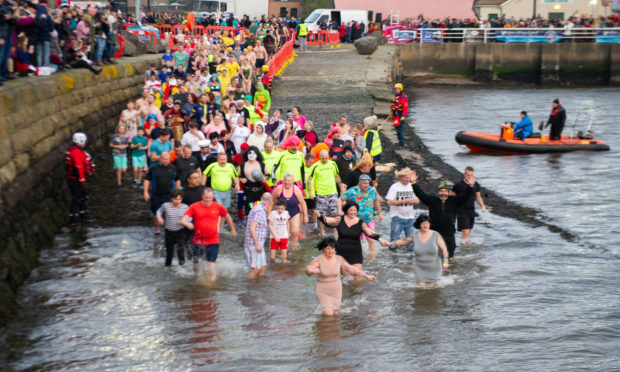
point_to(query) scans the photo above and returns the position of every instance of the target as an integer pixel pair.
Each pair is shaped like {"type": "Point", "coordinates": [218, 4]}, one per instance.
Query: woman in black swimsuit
{"type": "Point", "coordinates": [350, 229]}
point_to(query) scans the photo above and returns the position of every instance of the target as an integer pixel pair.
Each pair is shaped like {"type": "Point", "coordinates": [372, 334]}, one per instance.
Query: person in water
{"type": "Point", "coordinates": [328, 266]}
{"type": "Point", "coordinates": [523, 128]}
{"type": "Point", "coordinates": [431, 253]}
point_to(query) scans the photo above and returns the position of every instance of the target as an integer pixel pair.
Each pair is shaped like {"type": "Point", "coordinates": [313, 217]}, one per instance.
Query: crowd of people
{"type": "Point", "coordinates": [196, 154]}
{"type": "Point", "coordinates": [204, 133]}
{"type": "Point", "coordinates": [586, 21]}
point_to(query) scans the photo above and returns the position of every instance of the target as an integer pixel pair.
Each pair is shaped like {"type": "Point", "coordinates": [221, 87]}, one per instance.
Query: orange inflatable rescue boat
{"type": "Point", "coordinates": [534, 144]}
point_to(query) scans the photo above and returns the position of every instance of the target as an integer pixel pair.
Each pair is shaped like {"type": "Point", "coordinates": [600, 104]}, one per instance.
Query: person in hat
{"type": "Point", "coordinates": [79, 166]}
{"type": "Point", "coordinates": [400, 108]}
{"type": "Point", "coordinates": [176, 120]}
{"type": "Point", "coordinates": [371, 137]}
{"type": "Point", "coordinates": [442, 208]}
{"type": "Point", "coordinates": [557, 118]}
{"type": "Point", "coordinates": [265, 78]}
{"type": "Point", "coordinates": [206, 157]}
{"type": "Point", "coordinates": [401, 199]}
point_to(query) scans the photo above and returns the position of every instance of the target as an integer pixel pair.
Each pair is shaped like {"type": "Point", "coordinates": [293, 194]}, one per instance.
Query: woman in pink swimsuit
{"type": "Point", "coordinates": [329, 266]}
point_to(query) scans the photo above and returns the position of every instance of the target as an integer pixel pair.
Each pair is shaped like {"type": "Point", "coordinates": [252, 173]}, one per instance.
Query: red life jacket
{"type": "Point", "coordinates": [78, 162]}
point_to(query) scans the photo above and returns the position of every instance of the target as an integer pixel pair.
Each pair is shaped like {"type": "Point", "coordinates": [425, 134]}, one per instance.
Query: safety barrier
{"type": "Point", "coordinates": [318, 38]}
{"type": "Point", "coordinates": [121, 47]}
{"type": "Point", "coordinates": [334, 38]}
{"type": "Point", "coordinates": [211, 29]}
{"type": "Point", "coordinates": [149, 36]}
{"type": "Point", "coordinates": [125, 25]}
{"type": "Point", "coordinates": [162, 29]}
{"type": "Point", "coordinates": [281, 59]}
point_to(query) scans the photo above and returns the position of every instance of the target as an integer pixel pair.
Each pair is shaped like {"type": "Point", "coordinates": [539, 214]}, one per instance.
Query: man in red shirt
{"type": "Point", "coordinates": [206, 216]}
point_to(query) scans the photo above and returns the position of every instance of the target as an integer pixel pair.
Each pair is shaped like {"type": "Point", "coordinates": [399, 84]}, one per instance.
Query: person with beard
{"type": "Point", "coordinates": [557, 118]}
{"type": "Point", "coordinates": [251, 174]}
{"type": "Point", "coordinates": [442, 208]}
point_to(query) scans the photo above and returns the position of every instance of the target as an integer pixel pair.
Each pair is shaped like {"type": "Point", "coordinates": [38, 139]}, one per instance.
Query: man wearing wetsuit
{"type": "Point", "coordinates": [557, 118]}
{"type": "Point", "coordinates": [442, 209]}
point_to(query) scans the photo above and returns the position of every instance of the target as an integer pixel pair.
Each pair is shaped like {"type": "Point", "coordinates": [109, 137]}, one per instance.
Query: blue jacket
{"type": "Point", "coordinates": [525, 126]}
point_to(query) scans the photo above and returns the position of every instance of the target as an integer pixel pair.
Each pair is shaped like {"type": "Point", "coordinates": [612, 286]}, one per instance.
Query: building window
{"type": "Point", "coordinates": [557, 15]}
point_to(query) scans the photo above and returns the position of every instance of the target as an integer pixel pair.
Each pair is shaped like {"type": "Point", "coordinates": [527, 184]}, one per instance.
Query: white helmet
{"type": "Point", "coordinates": [79, 138]}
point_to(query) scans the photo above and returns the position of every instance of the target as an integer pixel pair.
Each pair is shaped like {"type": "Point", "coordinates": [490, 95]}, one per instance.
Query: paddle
{"type": "Point", "coordinates": [385, 121]}
{"type": "Point", "coordinates": [541, 126]}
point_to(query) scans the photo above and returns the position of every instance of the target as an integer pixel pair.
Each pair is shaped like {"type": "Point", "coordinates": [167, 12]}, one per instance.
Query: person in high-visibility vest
{"type": "Point", "coordinates": [371, 136]}
{"type": "Point", "coordinates": [302, 34]}
{"type": "Point", "coordinates": [291, 161]}
{"type": "Point", "coordinates": [400, 107]}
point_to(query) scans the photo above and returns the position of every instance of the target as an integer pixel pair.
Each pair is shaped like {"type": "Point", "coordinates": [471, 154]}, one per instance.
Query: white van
{"type": "Point", "coordinates": [339, 15]}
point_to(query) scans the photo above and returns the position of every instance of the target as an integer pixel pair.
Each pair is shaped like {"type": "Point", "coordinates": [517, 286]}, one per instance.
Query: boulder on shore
{"type": "Point", "coordinates": [133, 45]}
{"type": "Point", "coordinates": [381, 39]}
{"type": "Point", "coordinates": [366, 45]}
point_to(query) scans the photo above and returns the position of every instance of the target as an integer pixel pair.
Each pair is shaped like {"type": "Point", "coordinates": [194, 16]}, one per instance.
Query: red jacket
{"type": "Point", "coordinates": [78, 163]}
{"type": "Point", "coordinates": [400, 107]}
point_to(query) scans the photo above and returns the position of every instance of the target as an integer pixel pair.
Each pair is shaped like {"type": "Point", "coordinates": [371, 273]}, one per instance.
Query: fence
{"type": "Point", "coordinates": [403, 34]}
{"type": "Point", "coordinates": [282, 58]}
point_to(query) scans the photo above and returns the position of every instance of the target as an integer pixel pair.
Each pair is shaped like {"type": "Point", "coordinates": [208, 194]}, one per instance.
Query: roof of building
{"type": "Point", "coordinates": [489, 2]}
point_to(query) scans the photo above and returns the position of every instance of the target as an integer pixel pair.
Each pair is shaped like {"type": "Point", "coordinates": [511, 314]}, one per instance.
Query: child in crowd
{"type": "Point", "coordinates": [167, 58]}
{"type": "Point", "coordinates": [119, 143]}
{"type": "Point", "coordinates": [139, 144]}
{"type": "Point", "coordinates": [168, 215]}
{"type": "Point", "coordinates": [279, 226]}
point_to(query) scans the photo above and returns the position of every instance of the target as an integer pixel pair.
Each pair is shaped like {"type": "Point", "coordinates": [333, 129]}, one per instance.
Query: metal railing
{"type": "Point", "coordinates": [505, 35]}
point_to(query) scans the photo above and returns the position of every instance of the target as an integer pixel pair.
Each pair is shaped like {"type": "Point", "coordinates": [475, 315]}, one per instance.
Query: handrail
{"type": "Point", "coordinates": [507, 35]}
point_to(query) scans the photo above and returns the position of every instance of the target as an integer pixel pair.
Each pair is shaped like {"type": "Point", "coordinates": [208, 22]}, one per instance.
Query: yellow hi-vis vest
{"type": "Point", "coordinates": [375, 148]}
{"type": "Point", "coordinates": [303, 29]}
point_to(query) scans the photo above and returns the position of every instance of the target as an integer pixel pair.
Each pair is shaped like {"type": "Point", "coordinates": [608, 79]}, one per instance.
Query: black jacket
{"type": "Point", "coordinates": [442, 214]}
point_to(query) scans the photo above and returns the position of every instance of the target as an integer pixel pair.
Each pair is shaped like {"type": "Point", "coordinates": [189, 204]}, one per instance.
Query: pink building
{"type": "Point", "coordinates": [431, 9]}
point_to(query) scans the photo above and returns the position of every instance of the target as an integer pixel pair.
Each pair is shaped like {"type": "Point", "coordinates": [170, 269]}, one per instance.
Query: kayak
{"type": "Point", "coordinates": [487, 142]}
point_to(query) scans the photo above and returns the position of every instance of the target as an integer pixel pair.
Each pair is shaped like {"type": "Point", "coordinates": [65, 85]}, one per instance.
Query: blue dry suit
{"type": "Point", "coordinates": [523, 129]}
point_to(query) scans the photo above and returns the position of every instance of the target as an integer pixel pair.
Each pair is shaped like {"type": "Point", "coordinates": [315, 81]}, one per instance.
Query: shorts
{"type": "Point", "coordinates": [222, 197]}
{"type": "Point", "coordinates": [156, 202]}
{"type": "Point", "coordinates": [138, 161]}
{"type": "Point", "coordinates": [120, 162]}
{"type": "Point", "coordinates": [371, 225]}
{"type": "Point", "coordinates": [465, 220]}
{"type": "Point", "coordinates": [310, 203]}
{"type": "Point", "coordinates": [283, 245]}
{"type": "Point", "coordinates": [327, 204]}
{"type": "Point", "coordinates": [210, 250]}
{"type": "Point", "coordinates": [254, 259]}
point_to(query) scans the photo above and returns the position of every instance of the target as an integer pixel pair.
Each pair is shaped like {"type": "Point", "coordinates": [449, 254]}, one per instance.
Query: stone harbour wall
{"type": "Point", "coordinates": [37, 119]}
{"type": "Point", "coordinates": [562, 64]}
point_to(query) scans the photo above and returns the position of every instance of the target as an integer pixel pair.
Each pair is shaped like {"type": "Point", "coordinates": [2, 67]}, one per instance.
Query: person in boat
{"type": "Point", "coordinates": [557, 118]}
{"type": "Point", "coordinates": [524, 128]}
